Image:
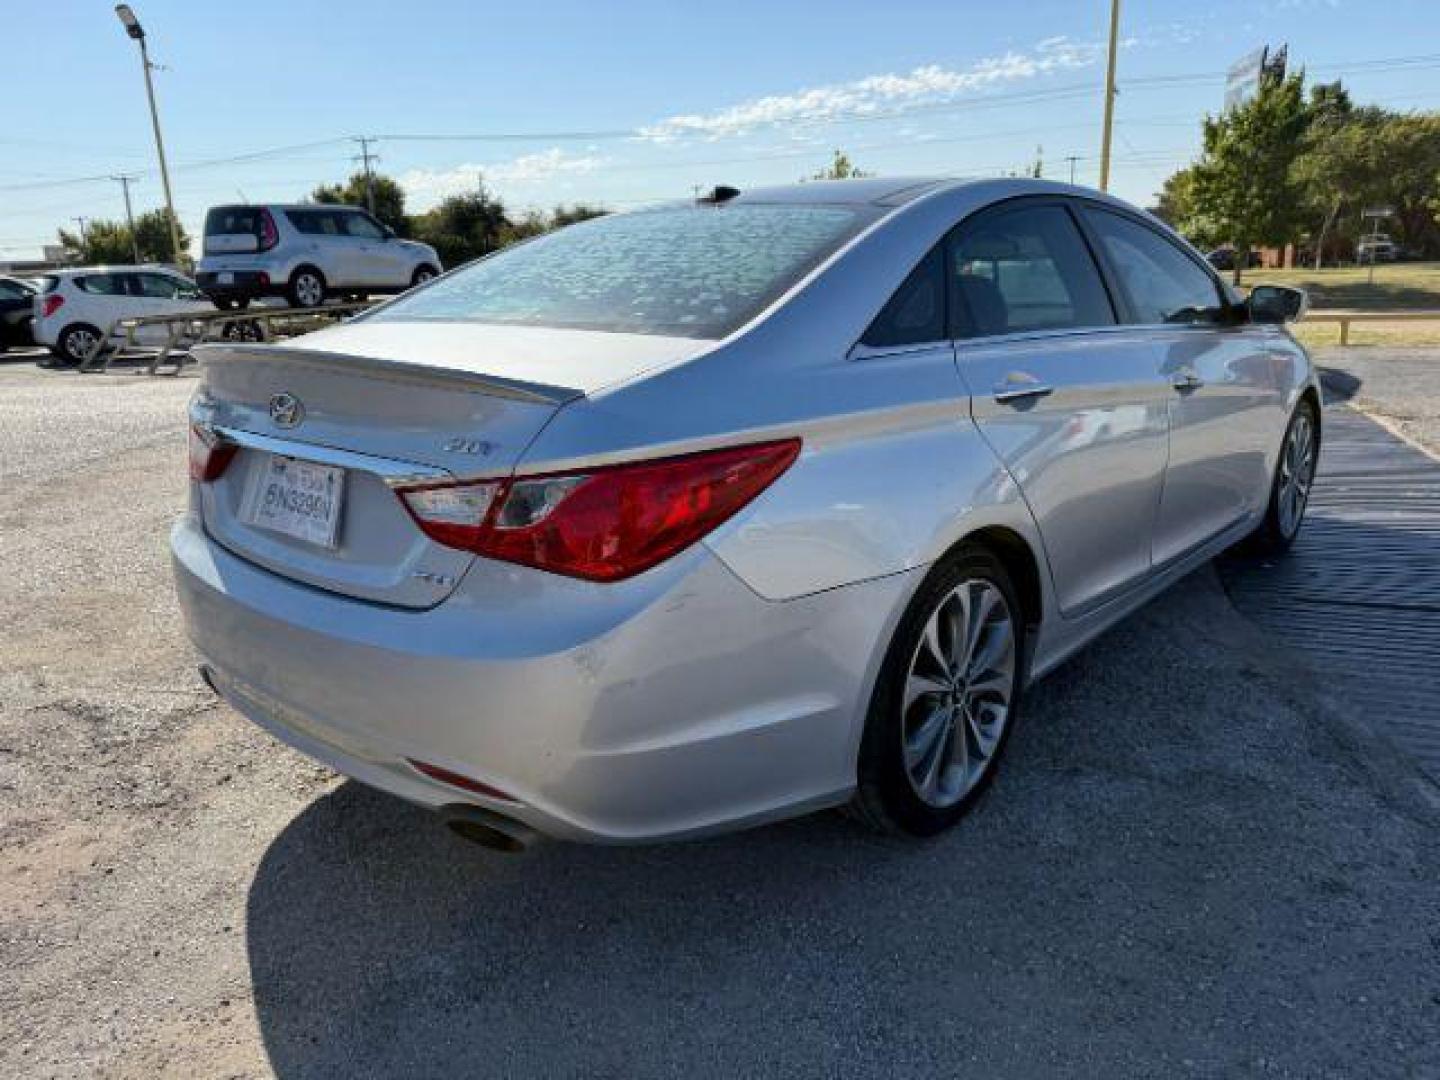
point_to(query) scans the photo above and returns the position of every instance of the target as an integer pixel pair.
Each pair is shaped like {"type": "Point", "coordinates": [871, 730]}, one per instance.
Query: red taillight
{"type": "Point", "coordinates": [603, 525]}
{"type": "Point", "coordinates": [50, 305]}
{"type": "Point", "coordinates": [269, 235]}
{"type": "Point", "coordinates": [209, 454]}
{"type": "Point", "coordinates": [264, 277]}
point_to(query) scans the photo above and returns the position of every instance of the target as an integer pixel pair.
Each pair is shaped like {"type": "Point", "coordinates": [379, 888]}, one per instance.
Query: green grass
{"type": "Point", "coordinates": [1397, 286]}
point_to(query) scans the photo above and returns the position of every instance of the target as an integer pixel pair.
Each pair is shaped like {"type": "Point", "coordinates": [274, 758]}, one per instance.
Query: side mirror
{"type": "Point", "coordinates": [1276, 304]}
{"type": "Point", "coordinates": [389, 232]}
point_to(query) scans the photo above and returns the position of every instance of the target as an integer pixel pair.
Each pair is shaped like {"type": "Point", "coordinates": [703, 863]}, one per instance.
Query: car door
{"type": "Point", "coordinates": [368, 238]}
{"type": "Point", "coordinates": [1224, 388]}
{"type": "Point", "coordinates": [15, 310]}
{"type": "Point", "coordinates": [339, 256]}
{"type": "Point", "coordinates": [102, 299]}
{"type": "Point", "coordinates": [1071, 401]}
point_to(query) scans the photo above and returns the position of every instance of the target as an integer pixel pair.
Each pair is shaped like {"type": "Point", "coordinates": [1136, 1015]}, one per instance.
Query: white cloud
{"type": "Point", "coordinates": [872, 94]}
{"type": "Point", "coordinates": [426, 186]}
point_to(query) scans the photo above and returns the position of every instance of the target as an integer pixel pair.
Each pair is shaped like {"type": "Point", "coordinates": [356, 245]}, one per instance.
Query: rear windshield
{"type": "Point", "coordinates": [688, 272]}
{"type": "Point", "coordinates": [233, 220]}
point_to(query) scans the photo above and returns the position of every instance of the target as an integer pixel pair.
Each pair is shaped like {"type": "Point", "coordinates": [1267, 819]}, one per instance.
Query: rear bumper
{"type": "Point", "coordinates": [672, 705]}
{"type": "Point", "coordinates": [243, 285]}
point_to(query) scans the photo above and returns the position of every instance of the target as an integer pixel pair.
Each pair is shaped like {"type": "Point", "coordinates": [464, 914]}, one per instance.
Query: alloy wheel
{"type": "Point", "coordinates": [958, 692]}
{"type": "Point", "coordinates": [309, 290]}
{"type": "Point", "coordinates": [1297, 473]}
{"type": "Point", "coordinates": [78, 344]}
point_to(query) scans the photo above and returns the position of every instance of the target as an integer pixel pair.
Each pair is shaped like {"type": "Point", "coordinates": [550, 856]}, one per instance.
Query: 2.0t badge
{"type": "Point", "coordinates": [286, 410]}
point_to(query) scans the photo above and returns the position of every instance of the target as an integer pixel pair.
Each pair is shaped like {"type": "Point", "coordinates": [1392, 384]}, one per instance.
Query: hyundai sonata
{"type": "Point", "coordinates": [700, 516]}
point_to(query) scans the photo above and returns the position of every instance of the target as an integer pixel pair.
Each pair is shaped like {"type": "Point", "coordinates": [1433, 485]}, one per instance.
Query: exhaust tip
{"type": "Point", "coordinates": [489, 830]}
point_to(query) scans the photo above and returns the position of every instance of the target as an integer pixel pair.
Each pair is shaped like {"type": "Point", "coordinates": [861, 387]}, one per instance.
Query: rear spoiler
{"type": "Point", "coordinates": [391, 370]}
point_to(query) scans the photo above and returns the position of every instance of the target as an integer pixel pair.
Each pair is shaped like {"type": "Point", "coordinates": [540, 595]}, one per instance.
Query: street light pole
{"type": "Point", "coordinates": [1109, 96]}
{"type": "Point", "coordinates": [137, 32]}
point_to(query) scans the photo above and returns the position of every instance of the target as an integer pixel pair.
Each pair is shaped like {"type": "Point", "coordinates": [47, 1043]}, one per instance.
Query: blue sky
{"type": "Point", "coordinates": [623, 103]}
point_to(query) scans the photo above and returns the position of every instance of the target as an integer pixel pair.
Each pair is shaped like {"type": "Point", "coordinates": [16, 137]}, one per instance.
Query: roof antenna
{"type": "Point", "coordinates": [719, 195]}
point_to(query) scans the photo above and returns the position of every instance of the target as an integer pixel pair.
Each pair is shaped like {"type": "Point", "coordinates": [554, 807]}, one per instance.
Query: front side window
{"type": "Point", "coordinates": [1163, 283]}
{"type": "Point", "coordinates": [361, 227]}
{"type": "Point", "coordinates": [158, 286]}
{"type": "Point", "coordinates": [1023, 270]}
{"type": "Point", "coordinates": [693, 271]}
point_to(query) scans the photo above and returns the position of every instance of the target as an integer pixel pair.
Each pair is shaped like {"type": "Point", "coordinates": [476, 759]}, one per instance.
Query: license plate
{"type": "Point", "coordinates": [225, 277]}
{"type": "Point", "coordinates": [296, 498]}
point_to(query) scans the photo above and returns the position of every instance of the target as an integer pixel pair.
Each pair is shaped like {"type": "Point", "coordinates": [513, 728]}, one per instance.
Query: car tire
{"type": "Point", "coordinates": [1291, 485]}
{"type": "Point", "coordinates": [306, 288]}
{"type": "Point", "coordinates": [423, 274]}
{"type": "Point", "coordinates": [75, 343]}
{"type": "Point", "coordinates": [947, 698]}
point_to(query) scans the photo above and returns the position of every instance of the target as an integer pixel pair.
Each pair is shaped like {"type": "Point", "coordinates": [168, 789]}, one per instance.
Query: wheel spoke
{"type": "Point", "coordinates": [989, 598]}
{"type": "Point", "coordinates": [930, 644]}
{"type": "Point", "coordinates": [959, 756]}
{"type": "Point", "coordinates": [917, 686]}
{"type": "Point", "coordinates": [982, 745]}
{"type": "Point", "coordinates": [934, 761]}
{"type": "Point", "coordinates": [920, 746]}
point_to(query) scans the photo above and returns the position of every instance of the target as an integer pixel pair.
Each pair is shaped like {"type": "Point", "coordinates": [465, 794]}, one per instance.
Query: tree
{"type": "Point", "coordinates": [152, 235]}
{"type": "Point", "coordinates": [1409, 147]}
{"type": "Point", "coordinates": [573, 215]}
{"type": "Point", "coordinates": [1243, 182]}
{"type": "Point", "coordinates": [464, 227]}
{"type": "Point", "coordinates": [840, 168]}
{"type": "Point", "coordinates": [109, 241]}
{"type": "Point", "coordinates": [389, 198]}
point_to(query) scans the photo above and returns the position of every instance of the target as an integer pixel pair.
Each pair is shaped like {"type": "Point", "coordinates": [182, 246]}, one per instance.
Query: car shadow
{"type": "Point", "coordinates": [1128, 868]}
{"type": "Point", "coordinates": [1339, 385]}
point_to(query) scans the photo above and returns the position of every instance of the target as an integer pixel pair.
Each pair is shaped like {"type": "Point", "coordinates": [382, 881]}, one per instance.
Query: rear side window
{"type": "Point", "coordinates": [1022, 270]}
{"type": "Point", "coordinates": [916, 313]}
{"type": "Point", "coordinates": [315, 222]}
{"type": "Point", "coordinates": [48, 283]}
{"type": "Point", "coordinates": [103, 284]}
{"type": "Point", "coordinates": [9, 290]}
{"type": "Point", "coordinates": [693, 271]}
{"type": "Point", "coordinates": [1164, 285]}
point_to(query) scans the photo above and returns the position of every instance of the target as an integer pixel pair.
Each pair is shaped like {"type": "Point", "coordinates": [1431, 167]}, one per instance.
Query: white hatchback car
{"type": "Point", "coordinates": [75, 307]}
{"type": "Point", "coordinates": [306, 253]}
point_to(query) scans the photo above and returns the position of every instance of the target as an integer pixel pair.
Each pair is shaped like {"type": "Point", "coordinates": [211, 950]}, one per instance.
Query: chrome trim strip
{"type": "Point", "coordinates": [394, 473]}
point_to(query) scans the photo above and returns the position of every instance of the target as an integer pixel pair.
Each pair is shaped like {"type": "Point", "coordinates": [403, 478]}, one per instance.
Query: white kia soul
{"type": "Point", "coordinates": [306, 253]}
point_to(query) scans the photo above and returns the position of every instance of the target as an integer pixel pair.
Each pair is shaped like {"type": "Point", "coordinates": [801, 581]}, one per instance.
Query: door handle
{"type": "Point", "coordinates": [1021, 386]}
{"type": "Point", "coordinates": [1186, 380]}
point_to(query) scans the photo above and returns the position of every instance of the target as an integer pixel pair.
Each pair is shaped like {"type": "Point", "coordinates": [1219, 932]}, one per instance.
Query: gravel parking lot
{"type": "Point", "coordinates": [1198, 861]}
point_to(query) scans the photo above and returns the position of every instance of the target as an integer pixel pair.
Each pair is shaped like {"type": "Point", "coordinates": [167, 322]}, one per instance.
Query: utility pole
{"type": "Point", "coordinates": [124, 182]}
{"type": "Point", "coordinates": [1109, 96]}
{"type": "Point", "coordinates": [1072, 159]}
{"type": "Point", "coordinates": [84, 236]}
{"type": "Point", "coordinates": [366, 157]}
{"type": "Point", "coordinates": [137, 33]}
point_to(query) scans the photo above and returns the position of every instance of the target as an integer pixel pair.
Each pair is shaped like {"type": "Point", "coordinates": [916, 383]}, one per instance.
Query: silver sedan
{"type": "Point", "coordinates": [696, 517]}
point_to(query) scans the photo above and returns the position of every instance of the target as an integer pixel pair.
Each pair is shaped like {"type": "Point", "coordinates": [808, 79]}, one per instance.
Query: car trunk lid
{"type": "Point", "coordinates": [369, 412]}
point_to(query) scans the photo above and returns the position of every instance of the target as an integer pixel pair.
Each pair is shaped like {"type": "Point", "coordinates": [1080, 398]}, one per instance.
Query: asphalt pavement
{"type": "Point", "coordinates": [1200, 859]}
